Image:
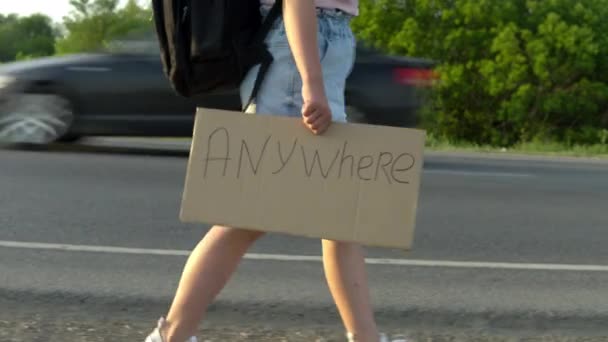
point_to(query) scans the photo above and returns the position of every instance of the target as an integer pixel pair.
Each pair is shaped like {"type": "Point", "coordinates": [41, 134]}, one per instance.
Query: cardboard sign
{"type": "Point", "coordinates": [356, 183]}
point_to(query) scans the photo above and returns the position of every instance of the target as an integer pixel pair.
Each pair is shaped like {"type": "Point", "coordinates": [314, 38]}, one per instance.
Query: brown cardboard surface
{"type": "Point", "coordinates": [354, 183]}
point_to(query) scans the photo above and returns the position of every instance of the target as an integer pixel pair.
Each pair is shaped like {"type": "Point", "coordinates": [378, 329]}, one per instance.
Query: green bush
{"type": "Point", "coordinates": [32, 36]}
{"type": "Point", "coordinates": [93, 24]}
{"type": "Point", "coordinates": [511, 70]}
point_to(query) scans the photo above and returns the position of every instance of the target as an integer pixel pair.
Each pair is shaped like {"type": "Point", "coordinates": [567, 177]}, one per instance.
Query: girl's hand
{"type": "Point", "coordinates": [316, 113]}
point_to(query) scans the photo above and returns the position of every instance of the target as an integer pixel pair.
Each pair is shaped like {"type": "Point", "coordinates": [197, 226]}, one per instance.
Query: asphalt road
{"type": "Point", "coordinates": [506, 244]}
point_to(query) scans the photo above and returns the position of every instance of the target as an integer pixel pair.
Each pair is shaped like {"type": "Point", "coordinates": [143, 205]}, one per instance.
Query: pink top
{"type": "Point", "coordinates": [348, 6]}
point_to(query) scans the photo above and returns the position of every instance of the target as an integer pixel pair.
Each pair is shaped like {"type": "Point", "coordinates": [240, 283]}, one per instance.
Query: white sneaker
{"type": "Point", "coordinates": [383, 338]}
{"type": "Point", "coordinates": [155, 336]}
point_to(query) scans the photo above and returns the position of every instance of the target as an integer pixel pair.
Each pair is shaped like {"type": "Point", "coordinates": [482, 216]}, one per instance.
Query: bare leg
{"type": "Point", "coordinates": [347, 279]}
{"type": "Point", "coordinates": [206, 272]}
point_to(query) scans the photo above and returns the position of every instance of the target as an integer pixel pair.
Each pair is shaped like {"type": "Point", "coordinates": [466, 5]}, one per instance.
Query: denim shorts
{"type": "Point", "coordinates": [281, 91]}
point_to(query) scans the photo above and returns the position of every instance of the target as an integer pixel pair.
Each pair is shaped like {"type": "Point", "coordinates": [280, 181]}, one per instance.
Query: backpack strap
{"type": "Point", "coordinates": [272, 16]}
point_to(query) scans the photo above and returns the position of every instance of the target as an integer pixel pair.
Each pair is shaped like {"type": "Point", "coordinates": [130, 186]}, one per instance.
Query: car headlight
{"type": "Point", "coordinates": [5, 81]}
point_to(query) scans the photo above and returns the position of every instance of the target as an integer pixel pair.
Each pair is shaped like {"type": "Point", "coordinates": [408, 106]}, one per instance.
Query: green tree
{"type": "Point", "coordinates": [31, 36]}
{"type": "Point", "coordinates": [511, 70]}
{"type": "Point", "coordinates": [94, 23]}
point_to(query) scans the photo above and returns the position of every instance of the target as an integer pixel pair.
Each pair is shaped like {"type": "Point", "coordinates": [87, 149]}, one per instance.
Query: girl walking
{"type": "Point", "coordinates": [314, 51]}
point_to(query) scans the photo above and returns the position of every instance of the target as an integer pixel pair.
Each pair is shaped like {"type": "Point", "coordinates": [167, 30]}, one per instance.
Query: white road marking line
{"type": "Point", "coordinates": [479, 173]}
{"type": "Point", "coordinates": [307, 258]}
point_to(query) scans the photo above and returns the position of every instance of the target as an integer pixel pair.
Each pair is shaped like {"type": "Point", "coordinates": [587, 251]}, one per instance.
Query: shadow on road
{"type": "Point", "coordinates": [98, 149]}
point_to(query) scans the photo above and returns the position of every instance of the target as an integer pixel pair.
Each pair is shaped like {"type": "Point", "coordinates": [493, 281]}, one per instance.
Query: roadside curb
{"type": "Point", "coordinates": [515, 157]}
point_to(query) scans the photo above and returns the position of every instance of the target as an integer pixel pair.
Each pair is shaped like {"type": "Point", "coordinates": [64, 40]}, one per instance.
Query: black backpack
{"type": "Point", "coordinates": [208, 46]}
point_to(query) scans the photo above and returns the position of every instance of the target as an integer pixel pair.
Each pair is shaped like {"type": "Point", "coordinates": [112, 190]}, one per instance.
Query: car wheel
{"type": "Point", "coordinates": [35, 119]}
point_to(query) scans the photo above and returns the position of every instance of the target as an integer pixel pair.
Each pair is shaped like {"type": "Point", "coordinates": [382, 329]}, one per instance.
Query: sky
{"type": "Point", "coordinates": [56, 9]}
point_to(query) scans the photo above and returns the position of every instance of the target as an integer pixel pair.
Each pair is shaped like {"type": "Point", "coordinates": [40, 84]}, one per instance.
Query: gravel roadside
{"type": "Point", "coordinates": [27, 320]}
{"type": "Point", "coordinates": [58, 329]}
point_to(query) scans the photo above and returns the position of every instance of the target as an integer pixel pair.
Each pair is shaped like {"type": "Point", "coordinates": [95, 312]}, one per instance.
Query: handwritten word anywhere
{"type": "Point", "coordinates": [274, 156]}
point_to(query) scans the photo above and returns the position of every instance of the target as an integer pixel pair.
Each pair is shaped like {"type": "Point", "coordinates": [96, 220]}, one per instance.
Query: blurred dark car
{"type": "Point", "coordinates": [126, 93]}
